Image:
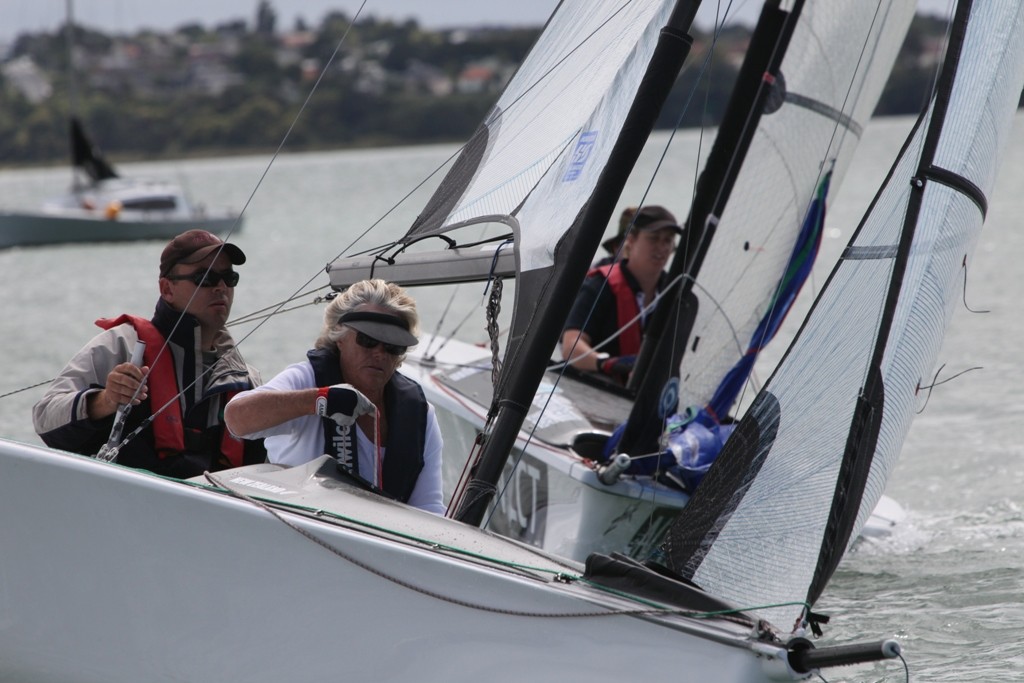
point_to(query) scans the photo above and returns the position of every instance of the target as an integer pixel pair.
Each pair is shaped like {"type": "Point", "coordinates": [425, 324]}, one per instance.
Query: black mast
{"type": "Point", "coordinates": [523, 374]}
{"type": "Point", "coordinates": [759, 80]}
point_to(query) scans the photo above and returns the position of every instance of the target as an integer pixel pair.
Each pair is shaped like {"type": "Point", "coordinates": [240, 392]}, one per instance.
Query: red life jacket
{"type": "Point", "coordinates": [168, 428]}
{"type": "Point", "coordinates": [626, 308]}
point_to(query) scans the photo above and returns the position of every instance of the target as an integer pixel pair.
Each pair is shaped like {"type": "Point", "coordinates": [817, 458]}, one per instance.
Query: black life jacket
{"type": "Point", "coordinates": [406, 407]}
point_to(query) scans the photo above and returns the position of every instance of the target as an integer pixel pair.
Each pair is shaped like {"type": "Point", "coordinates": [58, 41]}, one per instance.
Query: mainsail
{"type": "Point", "coordinates": [822, 89]}
{"type": "Point", "coordinates": [535, 160]}
{"type": "Point", "coordinates": [811, 457]}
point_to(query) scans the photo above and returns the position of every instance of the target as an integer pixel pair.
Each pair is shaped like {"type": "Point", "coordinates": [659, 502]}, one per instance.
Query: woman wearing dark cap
{"type": "Point", "coordinates": [605, 327]}
{"type": "Point", "coordinates": [348, 401]}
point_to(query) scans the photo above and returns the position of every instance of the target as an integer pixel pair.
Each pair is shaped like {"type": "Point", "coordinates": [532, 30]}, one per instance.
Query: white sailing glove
{"type": "Point", "coordinates": [342, 403]}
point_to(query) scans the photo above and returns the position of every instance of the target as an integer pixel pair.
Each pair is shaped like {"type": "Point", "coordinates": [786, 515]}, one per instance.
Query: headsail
{"type": "Point", "coordinates": [811, 458]}
{"type": "Point", "coordinates": [823, 92]}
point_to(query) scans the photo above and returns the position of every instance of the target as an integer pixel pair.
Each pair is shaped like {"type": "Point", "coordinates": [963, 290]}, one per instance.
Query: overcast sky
{"type": "Point", "coordinates": [123, 16]}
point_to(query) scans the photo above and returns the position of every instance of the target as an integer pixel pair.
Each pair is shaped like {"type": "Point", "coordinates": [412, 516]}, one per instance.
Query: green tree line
{"type": "Point", "coordinates": [167, 119]}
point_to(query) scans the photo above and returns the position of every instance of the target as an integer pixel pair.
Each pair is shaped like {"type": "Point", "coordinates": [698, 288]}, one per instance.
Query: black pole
{"type": "Point", "coordinates": [531, 358]}
{"type": "Point", "coordinates": [673, 320]}
{"type": "Point", "coordinates": [805, 658]}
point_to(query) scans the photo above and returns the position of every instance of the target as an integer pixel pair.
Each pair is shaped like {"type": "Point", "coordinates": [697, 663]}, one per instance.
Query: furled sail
{"type": "Point", "coordinates": [811, 457]}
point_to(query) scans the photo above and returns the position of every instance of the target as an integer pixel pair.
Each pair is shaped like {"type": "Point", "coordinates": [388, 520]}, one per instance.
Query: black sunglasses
{"type": "Point", "coordinates": [210, 278]}
{"type": "Point", "coordinates": [368, 342]}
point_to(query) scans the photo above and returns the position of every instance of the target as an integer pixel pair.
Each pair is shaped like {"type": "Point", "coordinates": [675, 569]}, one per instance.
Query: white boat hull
{"type": "Point", "coordinates": [35, 229]}
{"type": "Point", "coordinates": [556, 501]}
{"type": "Point", "coordinates": [111, 575]}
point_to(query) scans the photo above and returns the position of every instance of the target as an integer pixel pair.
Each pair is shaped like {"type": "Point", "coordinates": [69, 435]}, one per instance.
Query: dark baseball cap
{"type": "Point", "coordinates": [647, 218]}
{"type": "Point", "coordinates": [656, 218]}
{"type": "Point", "coordinates": [193, 246]}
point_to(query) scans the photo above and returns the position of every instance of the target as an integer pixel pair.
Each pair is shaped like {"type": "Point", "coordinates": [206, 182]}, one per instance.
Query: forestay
{"type": "Point", "coordinates": [811, 458]}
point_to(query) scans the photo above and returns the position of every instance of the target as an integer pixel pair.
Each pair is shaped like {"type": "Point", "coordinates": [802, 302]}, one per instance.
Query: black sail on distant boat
{"type": "Point", "coordinates": [87, 156]}
{"type": "Point", "coordinates": [103, 205]}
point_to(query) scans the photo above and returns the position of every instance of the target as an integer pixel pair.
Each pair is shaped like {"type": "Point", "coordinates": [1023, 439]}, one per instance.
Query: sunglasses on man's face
{"type": "Point", "coordinates": [210, 278]}
{"type": "Point", "coordinates": [368, 342]}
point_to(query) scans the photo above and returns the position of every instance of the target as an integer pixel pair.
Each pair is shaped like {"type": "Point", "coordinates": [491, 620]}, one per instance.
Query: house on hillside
{"type": "Point", "coordinates": [25, 76]}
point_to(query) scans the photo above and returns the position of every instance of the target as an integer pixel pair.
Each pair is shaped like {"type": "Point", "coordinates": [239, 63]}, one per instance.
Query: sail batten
{"type": "Point", "coordinates": [958, 182]}
{"type": "Point", "coordinates": [826, 110]}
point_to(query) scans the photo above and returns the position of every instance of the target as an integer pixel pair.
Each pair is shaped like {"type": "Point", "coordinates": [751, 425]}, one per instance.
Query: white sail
{"type": "Point", "coordinates": [536, 158]}
{"type": "Point", "coordinates": [831, 78]}
{"type": "Point", "coordinates": [813, 454]}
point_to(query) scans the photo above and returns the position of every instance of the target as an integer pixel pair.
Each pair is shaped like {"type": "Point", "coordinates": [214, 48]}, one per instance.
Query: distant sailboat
{"type": "Point", "coordinates": [103, 206]}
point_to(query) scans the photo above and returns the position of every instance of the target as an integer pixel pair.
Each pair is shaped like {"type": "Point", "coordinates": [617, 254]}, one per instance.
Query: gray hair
{"type": "Point", "coordinates": [387, 295]}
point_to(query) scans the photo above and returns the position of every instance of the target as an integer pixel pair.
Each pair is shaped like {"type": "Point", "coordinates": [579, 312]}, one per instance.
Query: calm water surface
{"type": "Point", "coordinates": [949, 584]}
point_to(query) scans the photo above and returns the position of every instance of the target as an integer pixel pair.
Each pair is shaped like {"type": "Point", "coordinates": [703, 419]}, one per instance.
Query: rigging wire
{"type": "Point", "coordinates": [31, 386]}
{"type": "Point", "coordinates": [274, 309]}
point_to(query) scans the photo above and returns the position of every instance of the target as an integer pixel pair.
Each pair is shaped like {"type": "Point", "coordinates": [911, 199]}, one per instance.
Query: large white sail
{"type": "Point", "coordinates": [536, 158]}
{"type": "Point", "coordinates": [831, 78]}
{"type": "Point", "coordinates": [812, 456]}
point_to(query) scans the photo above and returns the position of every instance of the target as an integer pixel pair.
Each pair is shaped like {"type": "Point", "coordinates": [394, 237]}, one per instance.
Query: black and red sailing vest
{"type": "Point", "coordinates": [626, 308]}
{"type": "Point", "coordinates": [168, 426]}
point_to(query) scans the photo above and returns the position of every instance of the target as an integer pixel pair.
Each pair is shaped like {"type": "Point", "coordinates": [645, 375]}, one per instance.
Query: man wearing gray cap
{"type": "Point", "coordinates": [347, 400]}
{"type": "Point", "coordinates": [188, 370]}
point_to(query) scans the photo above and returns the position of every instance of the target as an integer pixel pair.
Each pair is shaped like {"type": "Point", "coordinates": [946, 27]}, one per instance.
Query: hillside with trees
{"type": "Point", "coordinates": [237, 87]}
